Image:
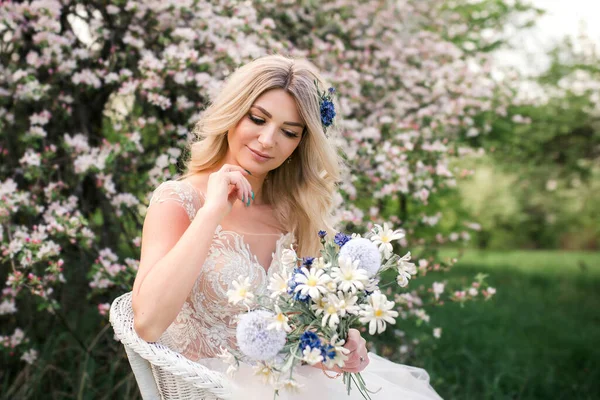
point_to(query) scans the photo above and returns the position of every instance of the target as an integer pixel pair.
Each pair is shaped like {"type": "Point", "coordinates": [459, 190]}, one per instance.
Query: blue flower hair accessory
{"type": "Point", "coordinates": [326, 106]}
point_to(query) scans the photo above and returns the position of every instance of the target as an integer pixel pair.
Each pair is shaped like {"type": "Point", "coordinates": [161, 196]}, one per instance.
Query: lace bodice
{"type": "Point", "coordinates": [206, 320]}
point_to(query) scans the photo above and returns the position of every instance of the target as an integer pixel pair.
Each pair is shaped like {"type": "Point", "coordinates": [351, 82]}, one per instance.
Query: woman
{"type": "Point", "coordinates": [261, 178]}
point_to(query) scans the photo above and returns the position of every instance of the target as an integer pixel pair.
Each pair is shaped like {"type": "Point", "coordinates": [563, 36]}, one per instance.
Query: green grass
{"type": "Point", "coordinates": [539, 338]}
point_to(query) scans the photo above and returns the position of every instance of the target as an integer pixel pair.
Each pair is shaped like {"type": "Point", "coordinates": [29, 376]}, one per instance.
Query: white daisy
{"type": "Point", "coordinates": [226, 356]}
{"type": "Point", "coordinates": [290, 385]}
{"type": "Point", "coordinates": [312, 282]}
{"type": "Point", "coordinates": [266, 372]}
{"type": "Point", "coordinates": [231, 370]}
{"type": "Point", "coordinates": [403, 278]}
{"type": "Point", "coordinates": [340, 353]}
{"type": "Point", "coordinates": [279, 321]}
{"type": "Point", "coordinates": [319, 304]}
{"type": "Point", "coordinates": [377, 312]}
{"type": "Point", "coordinates": [278, 284]}
{"type": "Point", "coordinates": [384, 236]}
{"type": "Point", "coordinates": [330, 312]}
{"type": "Point", "coordinates": [348, 276]}
{"type": "Point", "coordinates": [319, 263]}
{"type": "Point", "coordinates": [241, 291]}
{"type": "Point", "coordinates": [289, 258]}
{"type": "Point", "coordinates": [406, 266]}
{"type": "Point", "coordinates": [346, 304]}
{"type": "Point", "coordinates": [312, 355]}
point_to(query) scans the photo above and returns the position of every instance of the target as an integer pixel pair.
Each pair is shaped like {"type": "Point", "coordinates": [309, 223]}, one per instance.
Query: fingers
{"type": "Point", "coordinates": [355, 364]}
{"type": "Point", "coordinates": [236, 176]}
{"type": "Point", "coordinates": [358, 349]}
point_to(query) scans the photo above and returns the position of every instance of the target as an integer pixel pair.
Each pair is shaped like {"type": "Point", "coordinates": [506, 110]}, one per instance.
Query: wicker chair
{"type": "Point", "coordinates": [160, 372]}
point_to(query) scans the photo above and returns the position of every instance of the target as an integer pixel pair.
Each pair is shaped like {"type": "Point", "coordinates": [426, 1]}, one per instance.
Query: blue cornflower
{"type": "Point", "coordinates": [309, 338]}
{"type": "Point", "coordinates": [331, 90]}
{"type": "Point", "coordinates": [292, 282]}
{"type": "Point", "coordinates": [327, 113]}
{"type": "Point", "coordinates": [298, 296]}
{"type": "Point", "coordinates": [308, 261]}
{"type": "Point", "coordinates": [341, 239]}
{"type": "Point", "coordinates": [322, 234]}
{"type": "Point", "coordinates": [328, 351]}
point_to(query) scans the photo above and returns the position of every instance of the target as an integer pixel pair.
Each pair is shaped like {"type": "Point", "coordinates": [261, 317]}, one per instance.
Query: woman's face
{"type": "Point", "coordinates": [267, 135]}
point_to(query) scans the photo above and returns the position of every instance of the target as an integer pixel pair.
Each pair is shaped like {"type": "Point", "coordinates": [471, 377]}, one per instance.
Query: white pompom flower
{"type": "Point", "coordinates": [349, 276]}
{"type": "Point", "coordinates": [366, 252]}
{"type": "Point", "coordinates": [383, 238]}
{"type": "Point", "coordinates": [312, 282]}
{"type": "Point", "coordinates": [377, 312]}
{"type": "Point", "coordinates": [241, 291]}
{"type": "Point", "coordinates": [255, 340]}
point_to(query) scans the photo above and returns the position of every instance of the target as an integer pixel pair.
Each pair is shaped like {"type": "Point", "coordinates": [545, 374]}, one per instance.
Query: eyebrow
{"type": "Point", "coordinates": [268, 114]}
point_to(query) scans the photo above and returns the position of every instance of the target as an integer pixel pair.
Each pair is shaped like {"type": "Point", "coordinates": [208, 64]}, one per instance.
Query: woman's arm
{"type": "Point", "coordinates": [173, 252]}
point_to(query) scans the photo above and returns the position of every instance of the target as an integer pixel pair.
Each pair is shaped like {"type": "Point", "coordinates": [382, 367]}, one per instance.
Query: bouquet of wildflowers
{"type": "Point", "coordinates": [312, 304]}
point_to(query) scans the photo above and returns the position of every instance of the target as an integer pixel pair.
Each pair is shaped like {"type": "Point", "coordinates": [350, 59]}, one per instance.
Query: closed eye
{"type": "Point", "coordinates": [259, 121]}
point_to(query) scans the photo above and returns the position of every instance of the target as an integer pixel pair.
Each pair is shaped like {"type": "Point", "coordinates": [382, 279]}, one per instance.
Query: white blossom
{"type": "Point", "coordinates": [383, 236]}
{"type": "Point", "coordinates": [349, 276]}
{"type": "Point", "coordinates": [312, 282]}
{"type": "Point", "coordinates": [241, 291]}
{"type": "Point", "coordinates": [377, 312]}
{"type": "Point", "coordinates": [312, 355]}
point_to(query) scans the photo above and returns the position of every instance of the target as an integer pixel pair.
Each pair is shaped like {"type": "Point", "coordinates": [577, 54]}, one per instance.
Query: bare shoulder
{"type": "Point", "coordinates": [199, 181]}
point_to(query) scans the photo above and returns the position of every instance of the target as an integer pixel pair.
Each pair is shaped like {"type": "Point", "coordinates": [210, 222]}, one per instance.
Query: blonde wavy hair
{"type": "Point", "coordinates": [304, 187]}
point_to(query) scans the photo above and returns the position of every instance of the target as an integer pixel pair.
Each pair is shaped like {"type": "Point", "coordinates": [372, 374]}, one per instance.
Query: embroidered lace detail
{"type": "Point", "coordinates": [180, 192]}
{"type": "Point", "coordinates": [206, 320]}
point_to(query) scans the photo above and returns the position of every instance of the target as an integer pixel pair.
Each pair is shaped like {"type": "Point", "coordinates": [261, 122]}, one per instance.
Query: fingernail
{"type": "Point", "coordinates": [248, 202]}
{"type": "Point", "coordinates": [247, 171]}
{"type": "Point", "coordinates": [252, 195]}
{"type": "Point", "coordinates": [243, 198]}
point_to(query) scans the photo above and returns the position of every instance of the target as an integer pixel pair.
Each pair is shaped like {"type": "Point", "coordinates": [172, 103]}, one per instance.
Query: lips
{"type": "Point", "coordinates": [259, 153]}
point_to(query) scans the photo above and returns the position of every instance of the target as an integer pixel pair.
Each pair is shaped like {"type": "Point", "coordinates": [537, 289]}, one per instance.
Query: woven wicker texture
{"type": "Point", "coordinates": [160, 372]}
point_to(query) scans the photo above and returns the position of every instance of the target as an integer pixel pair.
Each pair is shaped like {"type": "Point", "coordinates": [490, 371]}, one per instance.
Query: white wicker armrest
{"type": "Point", "coordinates": [160, 372]}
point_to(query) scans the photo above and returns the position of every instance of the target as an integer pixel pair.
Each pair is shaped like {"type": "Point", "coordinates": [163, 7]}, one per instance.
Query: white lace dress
{"type": "Point", "coordinates": [207, 321]}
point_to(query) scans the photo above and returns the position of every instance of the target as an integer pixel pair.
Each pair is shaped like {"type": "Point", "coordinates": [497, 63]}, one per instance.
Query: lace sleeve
{"type": "Point", "coordinates": [180, 192]}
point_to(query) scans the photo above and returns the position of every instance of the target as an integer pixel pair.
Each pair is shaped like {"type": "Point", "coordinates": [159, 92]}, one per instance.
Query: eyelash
{"type": "Point", "coordinates": [260, 122]}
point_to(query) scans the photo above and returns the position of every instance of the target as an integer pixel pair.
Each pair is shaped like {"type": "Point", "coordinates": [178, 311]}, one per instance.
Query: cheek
{"type": "Point", "coordinates": [244, 130]}
{"type": "Point", "coordinates": [291, 149]}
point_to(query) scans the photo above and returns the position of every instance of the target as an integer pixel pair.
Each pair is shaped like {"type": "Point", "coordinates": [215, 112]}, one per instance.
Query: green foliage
{"type": "Point", "coordinates": [539, 339]}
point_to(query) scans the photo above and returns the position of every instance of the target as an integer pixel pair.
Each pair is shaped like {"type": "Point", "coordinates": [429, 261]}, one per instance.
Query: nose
{"type": "Point", "coordinates": [267, 137]}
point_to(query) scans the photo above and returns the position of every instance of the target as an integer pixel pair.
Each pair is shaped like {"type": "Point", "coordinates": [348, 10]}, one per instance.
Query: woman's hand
{"type": "Point", "coordinates": [357, 346]}
{"type": "Point", "coordinates": [358, 351]}
{"type": "Point", "coordinates": [225, 186]}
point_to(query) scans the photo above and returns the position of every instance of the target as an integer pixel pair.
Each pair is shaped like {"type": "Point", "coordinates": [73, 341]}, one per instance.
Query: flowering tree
{"type": "Point", "coordinates": [96, 102]}
{"type": "Point", "coordinates": [556, 150]}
